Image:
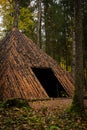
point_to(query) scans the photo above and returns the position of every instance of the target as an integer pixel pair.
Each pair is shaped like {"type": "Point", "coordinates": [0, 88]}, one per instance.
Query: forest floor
{"type": "Point", "coordinates": [41, 115]}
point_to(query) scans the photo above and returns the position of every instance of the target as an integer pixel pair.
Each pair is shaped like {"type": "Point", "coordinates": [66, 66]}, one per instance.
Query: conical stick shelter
{"type": "Point", "coordinates": [28, 72]}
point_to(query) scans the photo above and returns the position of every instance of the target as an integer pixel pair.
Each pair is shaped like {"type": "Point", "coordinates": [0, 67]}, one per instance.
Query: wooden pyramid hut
{"type": "Point", "coordinates": [28, 72]}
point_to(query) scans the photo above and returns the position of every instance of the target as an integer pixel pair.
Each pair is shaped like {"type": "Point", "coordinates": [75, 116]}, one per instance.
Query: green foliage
{"type": "Point", "coordinates": [54, 127]}
{"type": "Point", "coordinates": [26, 21]}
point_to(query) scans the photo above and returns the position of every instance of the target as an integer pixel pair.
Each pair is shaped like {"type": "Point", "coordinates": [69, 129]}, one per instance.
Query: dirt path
{"type": "Point", "coordinates": [58, 104]}
{"type": "Point", "coordinates": [53, 104]}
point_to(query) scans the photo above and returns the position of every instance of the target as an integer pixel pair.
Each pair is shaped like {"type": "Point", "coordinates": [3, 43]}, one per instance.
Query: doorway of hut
{"type": "Point", "coordinates": [49, 82]}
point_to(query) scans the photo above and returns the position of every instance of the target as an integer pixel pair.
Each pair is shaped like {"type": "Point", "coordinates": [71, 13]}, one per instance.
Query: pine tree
{"type": "Point", "coordinates": [78, 100]}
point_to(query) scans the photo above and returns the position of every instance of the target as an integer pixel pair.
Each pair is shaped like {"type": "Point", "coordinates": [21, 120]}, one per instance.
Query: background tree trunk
{"type": "Point", "coordinates": [46, 6]}
{"type": "Point", "coordinates": [78, 100]}
{"type": "Point", "coordinates": [73, 55]}
{"type": "Point", "coordinates": [39, 23]}
{"type": "Point", "coordinates": [16, 12]}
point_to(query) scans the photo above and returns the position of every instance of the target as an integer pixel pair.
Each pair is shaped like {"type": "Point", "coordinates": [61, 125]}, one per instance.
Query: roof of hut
{"type": "Point", "coordinates": [19, 56]}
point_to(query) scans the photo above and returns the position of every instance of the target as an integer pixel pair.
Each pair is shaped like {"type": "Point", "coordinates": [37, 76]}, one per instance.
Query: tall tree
{"type": "Point", "coordinates": [16, 4]}
{"type": "Point", "coordinates": [73, 55]}
{"type": "Point", "coordinates": [39, 23]}
{"type": "Point", "coordinates": [78, 100]}
{"type": "Point", "coordinates": [85, 41]}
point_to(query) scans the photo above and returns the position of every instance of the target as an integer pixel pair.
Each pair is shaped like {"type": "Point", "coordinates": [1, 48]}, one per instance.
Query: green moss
{"type": "Point", "coordinates": [76, 108]}
{"type": "Point", "coordinates": [15, 103]}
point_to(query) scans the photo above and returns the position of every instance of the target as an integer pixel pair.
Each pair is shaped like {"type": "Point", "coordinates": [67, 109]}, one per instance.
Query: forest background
{"type": "Point", "coordinates": [50, 24]}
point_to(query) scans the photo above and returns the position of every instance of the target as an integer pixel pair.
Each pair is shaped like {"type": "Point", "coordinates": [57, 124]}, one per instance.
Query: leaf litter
{"type": "Point", "coordinates": [42, 118]}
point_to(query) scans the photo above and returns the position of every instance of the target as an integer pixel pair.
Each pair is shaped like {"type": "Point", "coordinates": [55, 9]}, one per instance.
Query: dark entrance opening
{"type": "Point", "coordinates": [49, 82]}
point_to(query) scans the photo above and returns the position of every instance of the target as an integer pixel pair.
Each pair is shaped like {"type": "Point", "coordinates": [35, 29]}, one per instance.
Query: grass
{"type": "Point", "coordinates": [26, 118]}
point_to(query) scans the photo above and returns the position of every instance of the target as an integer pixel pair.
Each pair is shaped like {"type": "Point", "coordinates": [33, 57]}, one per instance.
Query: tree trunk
{"type": "Point", "coordinates": [39, 23]}
{"type": "Point", "coordinates": [73, 55]}
{"type": "Point", "coordinates": [46, 6]}
{"type": "Point", "coordinates": [16, 12]}
{"type": "Point", "coordinates": [78, 100]}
